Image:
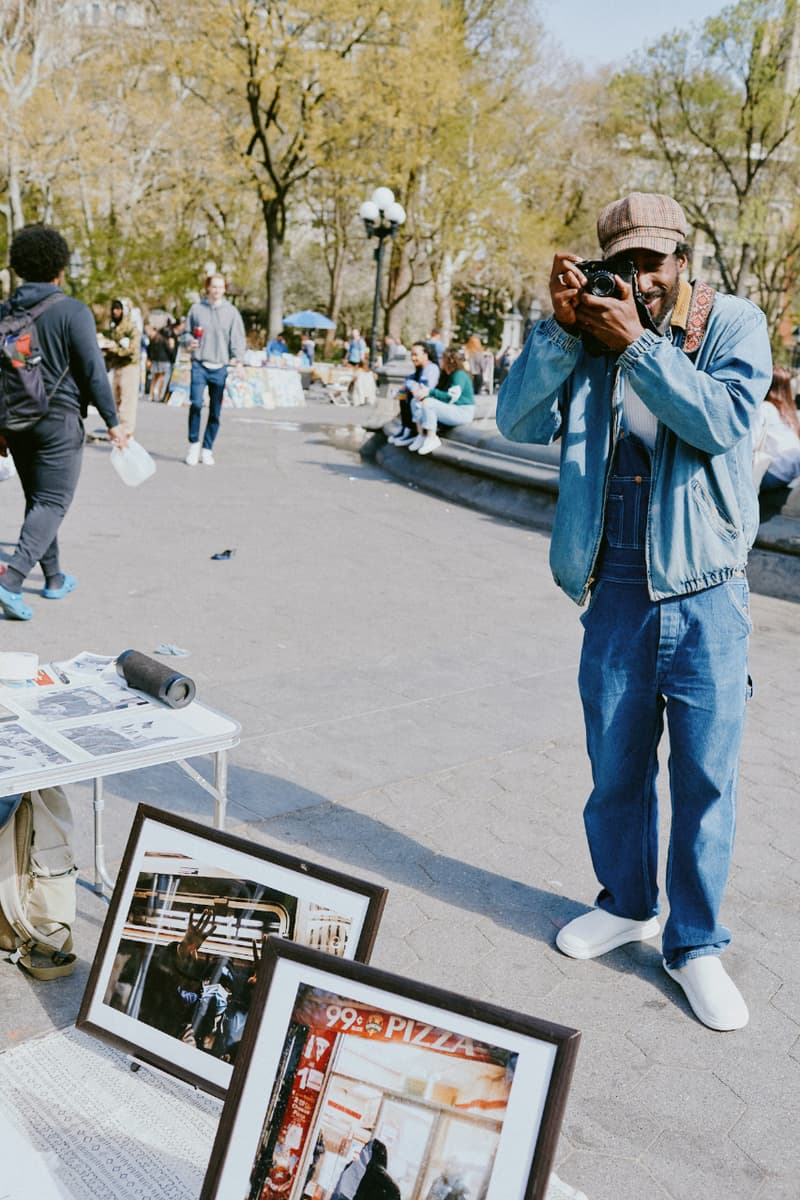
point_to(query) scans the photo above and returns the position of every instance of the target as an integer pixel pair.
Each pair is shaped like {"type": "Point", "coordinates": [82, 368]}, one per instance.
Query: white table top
{"type": "Point", "coordinates": [93, 726]}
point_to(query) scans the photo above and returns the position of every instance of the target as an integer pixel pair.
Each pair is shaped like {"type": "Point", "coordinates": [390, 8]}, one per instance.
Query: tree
{"type": "Point", "coordinates": [269, 69]}
{"type": "Point", "coordinates": [717, 112]}
{"type": "Point", "coordinates": [35, 43]}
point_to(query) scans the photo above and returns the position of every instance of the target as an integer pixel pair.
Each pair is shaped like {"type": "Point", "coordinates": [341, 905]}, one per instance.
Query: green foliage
{"type": "Point", "coordinates": [714, 117]}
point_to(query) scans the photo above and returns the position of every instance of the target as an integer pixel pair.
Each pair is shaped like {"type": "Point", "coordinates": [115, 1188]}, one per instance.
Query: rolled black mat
{"type": "Point", "coordinates": [155, 679]}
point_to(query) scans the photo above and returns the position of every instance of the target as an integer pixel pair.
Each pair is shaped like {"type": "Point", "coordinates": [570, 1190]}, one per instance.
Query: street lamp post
{"type": "Point", "coordinates": [382, 217]}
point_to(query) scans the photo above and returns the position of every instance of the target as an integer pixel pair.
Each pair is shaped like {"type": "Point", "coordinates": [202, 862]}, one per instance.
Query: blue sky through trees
{"type": "Point", "coordinates": [600, 34]}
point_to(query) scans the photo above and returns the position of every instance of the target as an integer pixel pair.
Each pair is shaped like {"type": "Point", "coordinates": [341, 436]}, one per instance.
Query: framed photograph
{"type": "Point", "coordinates": [175, 970]}
{"type": "Point", "coordinates": [355, 1083]}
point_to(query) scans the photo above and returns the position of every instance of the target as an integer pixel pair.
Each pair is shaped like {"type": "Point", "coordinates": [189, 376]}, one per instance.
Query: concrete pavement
{"type": "Point", "coordinates": [404, 672]}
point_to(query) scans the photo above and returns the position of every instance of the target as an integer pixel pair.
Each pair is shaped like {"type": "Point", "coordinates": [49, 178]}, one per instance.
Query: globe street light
{"type": "Point", "coordinates": [382, 217]}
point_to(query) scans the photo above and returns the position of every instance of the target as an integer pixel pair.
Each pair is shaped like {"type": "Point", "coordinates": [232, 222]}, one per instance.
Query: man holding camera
{"type": "Point", "coordinates": [652, 385]}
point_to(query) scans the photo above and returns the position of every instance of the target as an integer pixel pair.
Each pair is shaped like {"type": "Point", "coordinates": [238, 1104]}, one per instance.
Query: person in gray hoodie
{"type": "Point", "coordinates": [217, 342]}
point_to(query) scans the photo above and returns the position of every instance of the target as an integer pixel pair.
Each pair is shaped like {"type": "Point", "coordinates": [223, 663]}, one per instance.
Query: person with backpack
{"type": "Point", "coordinates": [653, 386]}
{"type": "Point", "coordinates": [51, 369]}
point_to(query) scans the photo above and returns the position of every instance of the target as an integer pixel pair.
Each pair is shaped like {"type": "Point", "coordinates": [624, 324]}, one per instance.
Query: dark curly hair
{"type": "Point", "coordinates": [38, 253]}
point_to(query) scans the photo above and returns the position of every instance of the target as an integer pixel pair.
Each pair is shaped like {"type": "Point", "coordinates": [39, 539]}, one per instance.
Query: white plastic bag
{"type": "Point", "coordinates": [7, 468]}
{"type": "Point", "coordinates": [133, 464]}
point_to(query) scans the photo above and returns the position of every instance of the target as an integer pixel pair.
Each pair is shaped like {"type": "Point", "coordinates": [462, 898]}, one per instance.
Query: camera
{"type": "Point", "coordinates": [600, 279]}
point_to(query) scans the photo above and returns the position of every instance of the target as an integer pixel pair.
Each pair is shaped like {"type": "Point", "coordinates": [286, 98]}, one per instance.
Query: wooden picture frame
{"type": "Point", "coordinates": [175, 967]}
{"type": "Point", "coordinates": [344, 1067]}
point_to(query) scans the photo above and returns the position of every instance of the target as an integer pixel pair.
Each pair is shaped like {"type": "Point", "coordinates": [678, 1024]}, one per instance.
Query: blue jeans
{"type": "Point", "coordinates": [215, 381]}
{"type": "Point", "coordinates": [430, 412]}
{"type": "Point", "coordinates": [685, 657]}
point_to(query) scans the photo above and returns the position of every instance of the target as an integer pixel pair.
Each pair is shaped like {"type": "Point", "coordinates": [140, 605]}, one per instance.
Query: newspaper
{"type": "Point", "coordinates": [80, 710]}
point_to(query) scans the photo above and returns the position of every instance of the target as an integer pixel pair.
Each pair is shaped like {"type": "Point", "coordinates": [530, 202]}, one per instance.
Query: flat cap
{"type": "Point", "coordinates": [641, 221]}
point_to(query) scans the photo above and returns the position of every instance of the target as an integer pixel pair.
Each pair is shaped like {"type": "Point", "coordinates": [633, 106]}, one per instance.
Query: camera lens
{"type": "Point", "coordinates": [603, 284]}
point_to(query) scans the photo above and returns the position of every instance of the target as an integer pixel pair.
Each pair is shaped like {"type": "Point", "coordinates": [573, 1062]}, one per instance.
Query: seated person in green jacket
{"type": "Point", "coordinates": [452, 402]}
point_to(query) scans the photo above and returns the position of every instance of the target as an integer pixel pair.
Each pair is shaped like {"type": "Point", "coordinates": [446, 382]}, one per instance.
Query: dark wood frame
{"type": "Point", "coordinates": [566, 1041]}
{"type": "Point", "coordinates": [375, 894]}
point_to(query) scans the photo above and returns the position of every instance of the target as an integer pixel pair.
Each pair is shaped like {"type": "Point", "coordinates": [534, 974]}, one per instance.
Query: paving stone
{"type": "Point", "coordinates": [622, 1131]}
{"type": "Point", "coordinates": [527, 977]}
{"type": "Point", "coordinates": [703, 1100]}
{"type": "Point", "coordinates": [767, 1131]}
{"type": "Point", "coordinates": [697, 1162]}
{"type": "Point", "coordinates": [603, 1075]}
{"type": "Point", "coordinates": [777, 1187]}
{"type": "Point", "coordinates": [787, 1001]}
{"type": "Point", "coordinates": [603, 1177]}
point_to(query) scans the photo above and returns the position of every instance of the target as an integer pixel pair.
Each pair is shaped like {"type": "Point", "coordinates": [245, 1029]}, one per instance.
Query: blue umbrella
{"type": "Point", "coordinates": [309, 320]}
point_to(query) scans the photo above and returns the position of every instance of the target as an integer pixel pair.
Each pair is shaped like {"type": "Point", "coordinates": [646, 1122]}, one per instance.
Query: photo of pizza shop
{"type": "Point", "coordinates": [373, 1103]}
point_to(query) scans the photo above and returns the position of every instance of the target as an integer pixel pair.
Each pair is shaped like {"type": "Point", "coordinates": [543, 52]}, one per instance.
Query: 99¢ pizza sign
{"type": "Point", "coordinates": [357, 1020]}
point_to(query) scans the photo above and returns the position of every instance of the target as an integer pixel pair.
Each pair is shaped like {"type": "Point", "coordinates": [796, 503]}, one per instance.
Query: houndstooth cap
{"type": "Point", "coordinates": [641, 221]}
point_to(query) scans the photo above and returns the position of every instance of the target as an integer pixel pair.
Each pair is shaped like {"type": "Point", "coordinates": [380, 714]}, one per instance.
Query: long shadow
{"type": "Point", "coordinates": [312, 826]}
{"type": "Point", "coordinates": [316, 825]}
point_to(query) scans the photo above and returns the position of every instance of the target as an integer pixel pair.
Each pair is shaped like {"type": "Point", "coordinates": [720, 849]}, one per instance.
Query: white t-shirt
{"type": "Point", "coordinates": [637, 416]}
{"type": "Point", "coordinates": [780, 442]}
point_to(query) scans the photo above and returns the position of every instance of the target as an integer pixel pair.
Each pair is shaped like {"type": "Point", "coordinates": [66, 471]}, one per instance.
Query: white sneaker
{"type": "Point", "coordinates": [403, 438]}
{"type": "Point", "coordinates": [714, 997]}
{"type": "Point", "coordinates": [207, 458]}
{"type": "Point", "coordinates": [418, 442]}
{"type": "Point", "coordinates": [430, 442]}
{"type": "Point", "coordinates": [192, 454]}
{"type": "Point", "coordinates": [598, 931]}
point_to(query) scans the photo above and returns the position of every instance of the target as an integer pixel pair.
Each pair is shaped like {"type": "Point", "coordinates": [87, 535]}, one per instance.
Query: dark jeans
{"type": "Point", "coordinates": [215, 381]}
{"type": "Point", "coordinates": [406, 419]}
{"type": "Point", "coordinates": [48, 461]}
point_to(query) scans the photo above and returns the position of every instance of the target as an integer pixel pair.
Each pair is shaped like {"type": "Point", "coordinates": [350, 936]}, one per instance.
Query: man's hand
{"type": "Point", "coordinates": [566, 282]}
{"type": "Point", "coordinates": [614, 322]}
{"type": "Point", "coordinates": [118, 437]}
{"type": "Point", "coordinates": [196, 933]}
{"type": "Point", "coordinates": [3, 447]}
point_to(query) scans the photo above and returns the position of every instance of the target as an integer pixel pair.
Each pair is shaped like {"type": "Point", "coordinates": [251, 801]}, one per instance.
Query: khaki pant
{"type": "Point", "coordinates": [125, 388]}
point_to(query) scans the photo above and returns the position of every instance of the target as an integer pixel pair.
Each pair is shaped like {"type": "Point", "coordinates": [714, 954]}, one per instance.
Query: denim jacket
{"type": "Point", "coordinates": [703, 513]}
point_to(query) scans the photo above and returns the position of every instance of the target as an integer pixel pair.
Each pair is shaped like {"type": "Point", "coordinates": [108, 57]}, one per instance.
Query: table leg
{"type": "Point", "coordinates": [102, 879]}
{"type": "Point", "coordinates": [221, 785]}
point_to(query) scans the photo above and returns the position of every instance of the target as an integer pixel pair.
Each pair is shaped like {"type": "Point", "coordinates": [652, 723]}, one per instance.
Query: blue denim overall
{"type": "Point", "coordinates": [685, 656]}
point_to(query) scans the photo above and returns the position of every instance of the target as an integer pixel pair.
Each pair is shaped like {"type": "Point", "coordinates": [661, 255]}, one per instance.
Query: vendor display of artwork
{"type": "Point", "coordinates": [347, 1072]}
{"type": "Point", "coordinates": [241, 970]}
{"type": "Point", "coordinates": [178, 957]}
{"type": "Point", "coordinates": [246, 387]}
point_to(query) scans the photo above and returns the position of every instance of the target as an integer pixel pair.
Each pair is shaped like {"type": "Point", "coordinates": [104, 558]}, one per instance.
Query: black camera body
{"type": "Point", "coordinates": [600, 274]}
{"type": "Point", "coordinates": [600, 281]}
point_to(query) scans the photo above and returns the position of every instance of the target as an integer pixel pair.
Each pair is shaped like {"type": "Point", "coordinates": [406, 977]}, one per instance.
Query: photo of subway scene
{"type": "Point", "coordinates": [369, 1103]}
{"type": "Point", "coordinates": [188, 953]}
